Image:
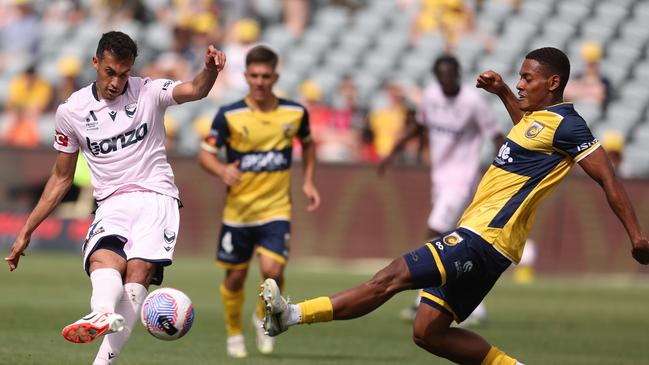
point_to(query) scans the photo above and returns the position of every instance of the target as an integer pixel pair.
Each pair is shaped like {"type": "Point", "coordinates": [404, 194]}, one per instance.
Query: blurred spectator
{"type": "Point", "coordinates": [69, 68]}
{"type": "Point", "coordinates": [242, 36]}
{"type": "Point", "coordinates": [451, 19]}
{"type": "Point", "coordinates": [590, 86]}
{"type": "Point", "coordinates": [19, 34]}
{"type": "Point", "coordinates": [613, 143]}
{"type": "Point", "coordinates": [29, 96]}
{"type": "Point", "coordinates": [339, 139]}
{"type": "Point", "coordinates": [319, 113]}
{"type": "Point", "coordinates": [296, 16]}
{"type": "Point", "coordinates": [388, 123]}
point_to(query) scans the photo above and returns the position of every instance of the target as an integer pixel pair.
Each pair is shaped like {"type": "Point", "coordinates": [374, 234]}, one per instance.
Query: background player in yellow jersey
{"type": "Point", "coordinates": [459, 268]}
{"type": "Point", "coordinates": [258, 133]}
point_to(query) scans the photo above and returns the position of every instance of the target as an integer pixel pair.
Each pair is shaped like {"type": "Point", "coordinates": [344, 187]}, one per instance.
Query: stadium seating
{"type": "Point", "coordinates": [375, 45]}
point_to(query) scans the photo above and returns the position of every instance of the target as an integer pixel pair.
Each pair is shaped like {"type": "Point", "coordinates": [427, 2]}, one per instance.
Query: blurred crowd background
{"type": "Point", "coordinates": [358, 65]}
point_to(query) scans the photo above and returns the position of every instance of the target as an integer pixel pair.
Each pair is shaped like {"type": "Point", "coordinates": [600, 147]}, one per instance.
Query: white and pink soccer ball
{"type": "Point", "coordinates": [167, 313]}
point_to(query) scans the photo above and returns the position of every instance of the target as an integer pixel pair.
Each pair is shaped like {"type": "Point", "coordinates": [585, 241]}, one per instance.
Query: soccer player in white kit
{"type": "Point", "coordinates": [117, 123]}
{"type": "Point", "coordinates": [457, 119]}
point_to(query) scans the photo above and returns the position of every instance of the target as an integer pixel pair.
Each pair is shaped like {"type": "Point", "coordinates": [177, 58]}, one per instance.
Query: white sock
{"type": "Point", "coordinates": [129, 308]}
{"type": "Point", "coordinates": [294, 315]}
{"type": "Point", "coordinates": [107, 289]}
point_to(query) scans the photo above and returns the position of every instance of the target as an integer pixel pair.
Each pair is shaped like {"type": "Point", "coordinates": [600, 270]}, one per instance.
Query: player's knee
{"type": "Point", "coordinates": [234, 279]}
{"type": "Point", "coordinates": [139, 271]}
{"type": "Point", "coordinates": [393, 278]}
{"type": "Point", "coordinates": [428, 340]}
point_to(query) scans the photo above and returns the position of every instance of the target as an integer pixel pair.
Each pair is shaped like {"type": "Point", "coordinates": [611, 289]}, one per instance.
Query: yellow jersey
{"type": "Point", "coordinates": [536, 155]}
{"type": "Point", "coordinates": [262, 142]}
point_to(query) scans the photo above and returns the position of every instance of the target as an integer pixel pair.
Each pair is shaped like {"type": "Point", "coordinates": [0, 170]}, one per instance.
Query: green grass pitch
{"type": "Point", "coordinates": [594, 320]}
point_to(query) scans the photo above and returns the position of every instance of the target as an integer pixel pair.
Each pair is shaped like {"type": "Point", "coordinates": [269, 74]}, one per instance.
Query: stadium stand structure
{"type": "Point", "coordinates": [374, 45]}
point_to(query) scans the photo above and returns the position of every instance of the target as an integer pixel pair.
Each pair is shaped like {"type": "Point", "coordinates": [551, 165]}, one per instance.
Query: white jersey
{"type": "Point", "coordinates": [123, 140]}
{"type": "Point", "coordinates": [456, 127]}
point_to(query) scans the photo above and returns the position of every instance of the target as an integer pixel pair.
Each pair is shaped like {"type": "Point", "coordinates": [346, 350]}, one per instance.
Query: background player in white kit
{"type": "Point", "coordinates": [458, 120]}
{"type": "Point", "coordinates": [117, 123]}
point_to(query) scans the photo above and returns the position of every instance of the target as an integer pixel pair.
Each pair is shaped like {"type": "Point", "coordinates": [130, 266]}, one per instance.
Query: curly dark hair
{"type": "Point", "coordinates": [117, 43]}
{"type": "Point", "coordinates": [555, 61]}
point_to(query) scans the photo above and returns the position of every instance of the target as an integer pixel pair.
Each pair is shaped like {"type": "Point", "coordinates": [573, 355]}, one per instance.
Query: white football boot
{"type": "Point", "coordinates": [265, 343]}
{"type": "Point", "coordinates": [276, 308]}
{"type": "Point", "coordinates": [92, 326]}
{"type": "Point", "coordinates": [236, 347]}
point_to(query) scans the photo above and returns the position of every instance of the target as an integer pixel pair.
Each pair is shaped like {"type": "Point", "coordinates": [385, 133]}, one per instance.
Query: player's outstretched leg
{"type": "Point", "coordinates": [348, 304]}
{"type": "Point", "coordinates": [92, 326]}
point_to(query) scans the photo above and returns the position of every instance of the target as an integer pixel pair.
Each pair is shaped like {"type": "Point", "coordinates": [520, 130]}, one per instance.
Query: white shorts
{"type": "Point", "coordinates": [448, 206]}
{"type": "Point", "coordinates": [145, 223]}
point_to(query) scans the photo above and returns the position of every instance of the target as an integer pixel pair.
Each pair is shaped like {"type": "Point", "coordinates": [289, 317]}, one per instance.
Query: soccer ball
{"type": "Point", "coordinates": [167, 314]}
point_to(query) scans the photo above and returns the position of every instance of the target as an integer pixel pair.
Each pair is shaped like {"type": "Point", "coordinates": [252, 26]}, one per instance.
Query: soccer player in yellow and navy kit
{"type": "Point", "coordinates": [258, 133]}
{"type": "Point", "coordinates": [459, 268]}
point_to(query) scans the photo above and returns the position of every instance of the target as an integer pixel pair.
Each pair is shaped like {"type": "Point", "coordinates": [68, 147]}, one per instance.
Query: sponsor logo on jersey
{"type": "Point", "coordinates": [534, 129]}
{"type": "Point", "coordinates": [263, 161]}
{"type": "Point", "coordinates": [130, 109]}
{"type": "Point", "coordinates": [92, 122]}
{"type": "Point", "coordinates": [108, 145]}
{"type": "Point", "coordinates": [586, 145]}
{"type": "Point", "coordinates": [112, 114]}
{"type": "Point", "coordinates": [452, 239]}
{"type": "Point", "coordinates": [165, 86]}
{"type": "Point", "coordinates": [504, 155]}
{"type": "Point", "coordinates": [287, 128]}
{"type": "Point", "coordinates": [61, 139]}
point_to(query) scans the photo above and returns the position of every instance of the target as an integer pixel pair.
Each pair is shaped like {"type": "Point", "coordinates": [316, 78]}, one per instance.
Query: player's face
{"type": "Point", "coordinates": [260, 78]}
{"type": "Point", "coordinates": [449, 79]}
{"type": "Point", "coordinates": [535, 86]}
{"type": "Point", "coordinates": [112, 74]}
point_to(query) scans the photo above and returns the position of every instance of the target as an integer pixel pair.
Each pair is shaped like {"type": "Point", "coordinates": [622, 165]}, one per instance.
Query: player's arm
{"type": "Point", "coordinates": [229, 173]}
{"type": "Point", "coordinates": [57, 186]}
{"type": "Point", "coordinates": [598, 167]}
{"type": "Point", "coordinates": [492, 82]}
{"type": "Point", "coordinates": [414, 130]}
{"type": "Point", "coordinates": [202, 83]}
{"type": "Point", "coordinates": [309, 162]}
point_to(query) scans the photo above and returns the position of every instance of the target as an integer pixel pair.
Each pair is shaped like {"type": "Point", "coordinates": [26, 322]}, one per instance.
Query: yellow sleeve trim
{"type": "Point", "coordinates": [268, 253]}
{"type": "Point", "coordinates": [438, 262]}
{"type": "Point", "coordinates": [441, 302]}
{"type": "Point", "coordinates": [229, 266]}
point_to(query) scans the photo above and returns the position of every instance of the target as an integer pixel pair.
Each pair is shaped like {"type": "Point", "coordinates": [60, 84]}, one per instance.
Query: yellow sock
{"type": "Point", "coordinates": [497, 357]}
{"type": "Point", "coordinates": [260, 303]}
{"type": "Point", "coordinates": [316, 310]}
{"type": "Point", "coordinates": [232, 304]}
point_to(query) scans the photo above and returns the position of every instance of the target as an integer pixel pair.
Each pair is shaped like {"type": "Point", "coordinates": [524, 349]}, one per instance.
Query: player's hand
{"type": "Point", "coordinates": [640, 251]}
{"type": "Point", "coordinates": [314, 197]}
{"type": "Point", "coordinates": [232, 174]}
{"type": "Point", "coordinates": [214, 59]}
{"type": "Point", "coordinates": [491, 81]}
{"type": "Point", "coordinates": [17, 249]}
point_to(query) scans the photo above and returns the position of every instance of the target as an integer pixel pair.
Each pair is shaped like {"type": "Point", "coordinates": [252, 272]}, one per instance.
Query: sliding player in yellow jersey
{"type": "Point", "coordinates": [258, 133]}
{"type": "Point", "coordinates": [459, 268]}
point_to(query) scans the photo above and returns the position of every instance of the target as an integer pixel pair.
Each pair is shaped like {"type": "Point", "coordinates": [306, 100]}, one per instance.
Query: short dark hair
{"type": "Point", "coordinates": [262, 54]}
{"type": "Point", "coordinates": [446, 58]}
{"type": "Point", "coordinates": [117, 43]}
{"type": "Point", "coordinates": [555, 61]}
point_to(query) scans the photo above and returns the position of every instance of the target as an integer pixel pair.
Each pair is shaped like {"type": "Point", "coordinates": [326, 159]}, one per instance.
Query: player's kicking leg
{"type": "Point", "coordinates": [93, 325]}
{"type": "Point", "coordinates": [106, 279]}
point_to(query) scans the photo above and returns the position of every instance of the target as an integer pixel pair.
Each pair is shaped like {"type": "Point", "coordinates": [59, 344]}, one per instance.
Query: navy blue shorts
{"type": "Point", "coordinates": [456, 271]}
{"type": "Point", "coordinates": [237, 244]}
